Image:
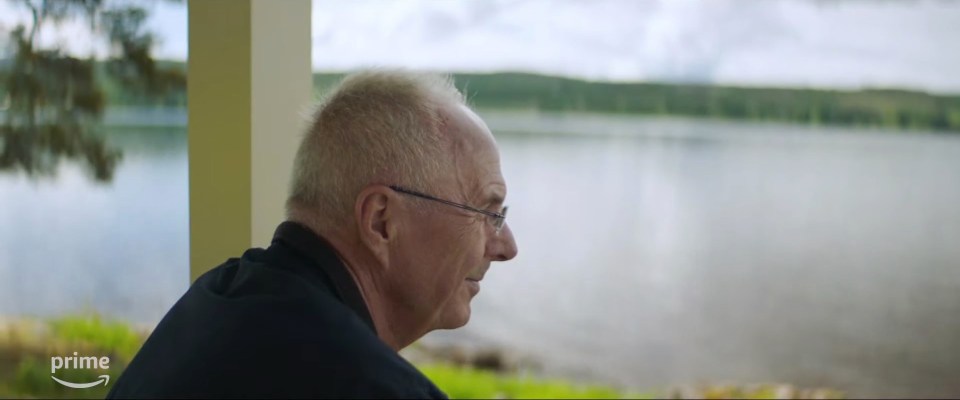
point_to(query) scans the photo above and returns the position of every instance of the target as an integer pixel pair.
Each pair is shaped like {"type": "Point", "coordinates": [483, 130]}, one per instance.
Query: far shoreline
{"type": "Point", "coordinates": [503, 120]}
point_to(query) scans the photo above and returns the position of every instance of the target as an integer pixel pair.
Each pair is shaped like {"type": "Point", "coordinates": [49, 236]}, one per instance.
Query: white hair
{"type": "Point", "coordinates": [378, 126]}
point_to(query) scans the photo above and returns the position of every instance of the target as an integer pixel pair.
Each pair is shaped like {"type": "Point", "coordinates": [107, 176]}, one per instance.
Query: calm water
{"type": "Point", "coordinates": [652, 252]}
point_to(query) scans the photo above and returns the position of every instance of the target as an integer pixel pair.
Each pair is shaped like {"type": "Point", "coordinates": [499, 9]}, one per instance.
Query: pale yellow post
{"type": "Point", "coordinates": [249, 83]}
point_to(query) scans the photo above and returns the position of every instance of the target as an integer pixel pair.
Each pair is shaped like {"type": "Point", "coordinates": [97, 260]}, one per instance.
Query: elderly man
{"type": "Point", "coordinates": [395, 213]}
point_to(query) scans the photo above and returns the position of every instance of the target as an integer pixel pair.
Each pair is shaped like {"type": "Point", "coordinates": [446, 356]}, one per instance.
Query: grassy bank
{"type": "Point", "coordinates": [26, 348]}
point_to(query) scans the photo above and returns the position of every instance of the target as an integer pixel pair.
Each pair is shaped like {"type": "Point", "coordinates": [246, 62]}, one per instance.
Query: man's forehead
{"type": "Point", "coordinates": [464, 124]}
{"type": "Point", "coordinates": [472, 116]}
{"type": "Point", "coordinates": [476, 155]}
{"type": "Point", "coordinates": [490, 182]}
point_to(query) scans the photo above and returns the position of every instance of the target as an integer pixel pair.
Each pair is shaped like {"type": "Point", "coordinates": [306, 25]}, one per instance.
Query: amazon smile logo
{"type": "Point", "coordinates": [80, 362]}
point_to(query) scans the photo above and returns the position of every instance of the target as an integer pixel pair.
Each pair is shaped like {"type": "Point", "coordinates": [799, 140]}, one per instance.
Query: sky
{"type": "Point", "coordinates": [912, 44]}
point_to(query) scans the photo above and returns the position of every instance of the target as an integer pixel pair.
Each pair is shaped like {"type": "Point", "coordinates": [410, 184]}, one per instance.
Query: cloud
{"type": "Point", "coordinates": [856, 44]}
{"type": "Point", "coordinates": [847, 44]}
{"type": "Point", "coordinates": [781, 43]}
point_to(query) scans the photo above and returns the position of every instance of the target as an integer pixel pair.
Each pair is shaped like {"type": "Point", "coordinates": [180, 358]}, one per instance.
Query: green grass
{"type": "Point", "coordinates": [32, 380]}
{"type": "Point", "coordinates": [470, 383]}
{"type": "Point", "coordinates": [26, 347]}
{"type": "Point", "coordinates": [113, 337]}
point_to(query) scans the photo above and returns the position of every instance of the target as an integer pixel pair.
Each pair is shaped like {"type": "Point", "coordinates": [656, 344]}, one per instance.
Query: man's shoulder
{"type": "Point", "coordinates": [249, 303]}
{"type": "Point", "coordinates": [258, 274]}
{"type": "Point", "coordinates": [335, 355]}
{"type": "Point", "coordinates": [246, 328]}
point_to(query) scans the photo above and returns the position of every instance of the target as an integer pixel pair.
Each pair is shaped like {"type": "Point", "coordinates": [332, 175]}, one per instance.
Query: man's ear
{"type": "Point", "coordinates": [375, 213]}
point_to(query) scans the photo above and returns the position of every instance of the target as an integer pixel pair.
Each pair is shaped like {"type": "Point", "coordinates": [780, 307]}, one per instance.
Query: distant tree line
{"type": "Point", "coordinates": [869, 108]}
{"type": "Point", "coordinates": [887, 108]}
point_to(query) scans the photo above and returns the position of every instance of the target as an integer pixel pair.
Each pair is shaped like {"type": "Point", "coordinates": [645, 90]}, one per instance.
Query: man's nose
{"type": "Point", "coordinates": [504, 245]}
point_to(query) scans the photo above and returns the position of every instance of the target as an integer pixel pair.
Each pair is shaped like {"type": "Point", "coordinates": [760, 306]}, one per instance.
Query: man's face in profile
{"type": "Point", "coordinates": [450, 250]}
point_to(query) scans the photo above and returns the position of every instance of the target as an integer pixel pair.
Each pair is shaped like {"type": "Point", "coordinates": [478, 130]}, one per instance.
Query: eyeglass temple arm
{"type": "Point", "coordinates": [447, 202]}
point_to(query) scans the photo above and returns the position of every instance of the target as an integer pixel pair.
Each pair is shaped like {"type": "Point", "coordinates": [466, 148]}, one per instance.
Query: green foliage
{"type": "Point", "coordinates": [52, 94]}
{"type": "Point", "coordinates": [25, 364]}
{"type": "Point", "coordinates": [37, 151]}
{"type": "Point", "coordinates": [112, 337]}
{"type": "Point", "coordinates": [167, 93]}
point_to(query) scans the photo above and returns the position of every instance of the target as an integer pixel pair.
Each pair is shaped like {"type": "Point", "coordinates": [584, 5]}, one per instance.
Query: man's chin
{"type": "Point", "coordinates": [454, 318]}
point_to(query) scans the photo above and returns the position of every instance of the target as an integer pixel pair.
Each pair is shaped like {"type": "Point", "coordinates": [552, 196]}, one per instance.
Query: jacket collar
{"type": "Point", "coordinates": [324, 257]}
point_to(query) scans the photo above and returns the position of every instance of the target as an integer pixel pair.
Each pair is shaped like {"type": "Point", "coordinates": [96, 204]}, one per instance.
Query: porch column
{"type": "Point", "coordinates": [249, 84]}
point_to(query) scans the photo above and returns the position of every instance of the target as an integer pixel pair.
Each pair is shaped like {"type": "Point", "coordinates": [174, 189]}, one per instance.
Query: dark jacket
{"type": "Point", "coordinates": [285, 322]}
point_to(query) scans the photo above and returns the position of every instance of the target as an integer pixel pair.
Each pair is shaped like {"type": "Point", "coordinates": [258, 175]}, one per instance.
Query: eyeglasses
{"type": "Point", "coordinates": [497, 219]}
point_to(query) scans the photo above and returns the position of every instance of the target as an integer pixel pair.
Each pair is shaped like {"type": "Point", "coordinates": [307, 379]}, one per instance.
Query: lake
{"type": "Point", "coordinates": [653, 252]}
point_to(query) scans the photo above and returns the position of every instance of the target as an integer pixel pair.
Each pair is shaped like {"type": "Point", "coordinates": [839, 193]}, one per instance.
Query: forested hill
{"type": "Point", "coordinates": [874, 108]}
{"type": "Point", "coordinates": [877, 108]}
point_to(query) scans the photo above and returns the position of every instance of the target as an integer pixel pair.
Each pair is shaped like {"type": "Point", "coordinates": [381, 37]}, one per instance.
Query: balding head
{"type": "Point", "coordinates": [404, 181]}
{"type": "Point", "coordinates": [375, 127]}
